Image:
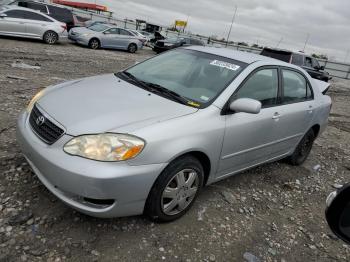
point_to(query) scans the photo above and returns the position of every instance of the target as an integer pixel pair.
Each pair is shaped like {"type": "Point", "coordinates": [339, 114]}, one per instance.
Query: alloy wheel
{"type": "Point", "coordinates": [51, 37]}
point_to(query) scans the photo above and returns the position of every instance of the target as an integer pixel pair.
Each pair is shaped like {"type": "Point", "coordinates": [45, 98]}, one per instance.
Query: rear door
{"type": "Point", "coordinates": [297, 109]}
{"type": "Point", "coordinates": [36, 24]}
{"type": "Point", "coordinates": [125, 38]}
{"type": "Point", "coordinates": [13, 23]}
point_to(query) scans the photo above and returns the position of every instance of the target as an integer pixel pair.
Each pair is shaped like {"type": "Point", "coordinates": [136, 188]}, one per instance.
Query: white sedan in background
{"type": "Point", "coordinates": [24, 22]}
{"type": "Point", "coordinates": [106, 36]}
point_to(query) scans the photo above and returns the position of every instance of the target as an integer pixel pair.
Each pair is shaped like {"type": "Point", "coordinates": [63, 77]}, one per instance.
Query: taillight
{"type": "Point", "coordinates": [142, 40]}
{"type": "Point", "coordinates": [64, 27]}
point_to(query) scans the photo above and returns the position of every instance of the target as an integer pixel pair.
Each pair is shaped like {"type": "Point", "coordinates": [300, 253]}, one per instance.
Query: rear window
{"type": "Point", "coordinates": [284, 56]}
{"type": "Point", "coordinates": [298, 59]}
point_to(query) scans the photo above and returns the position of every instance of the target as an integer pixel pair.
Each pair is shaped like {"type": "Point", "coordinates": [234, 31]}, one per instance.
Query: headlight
{"type": "Point", "coordinates": [85, 34]}
{"type": "Point", "coordinates": [34, 100]}
{"type": "Point", "coordinates": [105, 147]}
{"type": "Point", "coordinates": [168, 44]}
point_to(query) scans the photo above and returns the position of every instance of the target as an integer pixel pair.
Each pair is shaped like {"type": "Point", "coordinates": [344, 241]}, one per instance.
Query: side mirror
{"type": "Point", "coordinates": [246, 105]}
{"type": "Point", "coordinates": [338, 212]}
{"type": "Point", "coordinates": [3, 15]}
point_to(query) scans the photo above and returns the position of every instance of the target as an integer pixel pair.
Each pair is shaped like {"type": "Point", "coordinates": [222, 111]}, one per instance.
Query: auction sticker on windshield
{"type": "Point", "coordinates": [225, 65]}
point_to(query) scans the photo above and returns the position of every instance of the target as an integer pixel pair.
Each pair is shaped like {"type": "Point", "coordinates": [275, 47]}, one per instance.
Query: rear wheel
{"type": "Point", "coordinates": [94, 43]}
{"type": "Point", "coordinates": [50, 37]}
{"type": "Point", "coordinates": [303, 149]}
{"type": "Point", "coordinates": [175, 190]}
{"type": "Point", "coordinates": [132, 48]}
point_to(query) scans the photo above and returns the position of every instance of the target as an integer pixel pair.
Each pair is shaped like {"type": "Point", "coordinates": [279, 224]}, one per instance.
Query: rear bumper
{"type": "Point", "coordinates": [74, 179]}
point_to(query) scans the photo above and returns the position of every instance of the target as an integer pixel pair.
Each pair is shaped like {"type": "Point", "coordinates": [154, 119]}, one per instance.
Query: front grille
{"type": "Point", "coordinates": [43, 127]}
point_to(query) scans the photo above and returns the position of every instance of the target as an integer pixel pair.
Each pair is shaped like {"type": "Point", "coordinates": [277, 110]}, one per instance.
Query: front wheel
{"type": "Point", "coordinates": [50, 37]}
{"type": "Point", "coordinates": [303, 149]}
{"type": "Point", "coordinates": [175, 190]}
{"type": "Point", "coordinates": [132, 48]}
{"type": "Point", "coordinates": [94, 43]}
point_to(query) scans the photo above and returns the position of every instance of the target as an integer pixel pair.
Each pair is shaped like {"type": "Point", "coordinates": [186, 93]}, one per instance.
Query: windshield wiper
{"type": "Point", "coordinates": [162, 90]}
{"type": "Point", "coordinates": [155, 88]}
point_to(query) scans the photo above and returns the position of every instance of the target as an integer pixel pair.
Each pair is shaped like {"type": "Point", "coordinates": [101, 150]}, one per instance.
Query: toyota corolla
{"type": "Point", "coordinates": [147, 139]}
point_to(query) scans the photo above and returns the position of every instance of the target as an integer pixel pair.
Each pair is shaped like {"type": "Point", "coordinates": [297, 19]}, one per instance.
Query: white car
{"type": "Point", "coordinates": [24, 22]}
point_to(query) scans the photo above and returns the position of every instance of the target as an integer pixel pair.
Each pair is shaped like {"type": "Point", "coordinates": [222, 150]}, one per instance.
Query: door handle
{"type": "Point", "coordinates": [310, 109]}
{"type": "Point", "coordinates": [276, 115]}
{"type": "Point", "coordinates": [22, 23]}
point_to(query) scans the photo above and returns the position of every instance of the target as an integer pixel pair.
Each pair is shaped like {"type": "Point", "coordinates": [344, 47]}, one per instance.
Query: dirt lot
{"type": "Point", "coordinates": [271, 213]}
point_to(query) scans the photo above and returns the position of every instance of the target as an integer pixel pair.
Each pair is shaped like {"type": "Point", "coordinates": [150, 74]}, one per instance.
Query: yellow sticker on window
{"type": "Point", "coordinates": [191, 103]}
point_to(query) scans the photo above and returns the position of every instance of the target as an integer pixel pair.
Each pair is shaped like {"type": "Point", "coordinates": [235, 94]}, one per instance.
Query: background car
{"type": "Point", "coordinates": [310, 64]}
{"type": "Point", "coordinates": [57, 12]}
{"type": "Point", "coordinates": [171, 43]}
{"type": "Point", "coordinates": [23, 22]}
{"type": "Point", "coordinates": [105, 36]}
{"type": "Point", "coordinates": [338, 212]}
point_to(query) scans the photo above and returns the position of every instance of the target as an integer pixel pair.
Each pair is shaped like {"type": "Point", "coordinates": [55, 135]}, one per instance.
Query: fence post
{"type": "Point", "coordinates": [348, 74]}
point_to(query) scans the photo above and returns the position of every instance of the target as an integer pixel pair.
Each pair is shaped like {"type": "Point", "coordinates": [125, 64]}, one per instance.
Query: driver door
{"type": "Point", "coordinates": [111, 38]}
{"type": "Point", "coordinates": [249, 138]}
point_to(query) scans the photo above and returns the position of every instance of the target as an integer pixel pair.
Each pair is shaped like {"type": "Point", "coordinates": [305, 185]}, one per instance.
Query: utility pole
{"type": "Point", "coordinates": [307, 40]}
{"type": "Point", "coordinates": [185, 27]}
{"type": "Point", "coordinates": [279, 42]}
{"type": "Point", "coordinates": [233, 19]}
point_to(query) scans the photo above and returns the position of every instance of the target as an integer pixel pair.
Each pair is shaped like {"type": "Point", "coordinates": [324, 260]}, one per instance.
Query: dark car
{"type": "Point", "coordinates": [171, 43]}
{"type": "Point", "coordinates": [59, 13]}
{"type": "Point", "coordinates": [307, 62]}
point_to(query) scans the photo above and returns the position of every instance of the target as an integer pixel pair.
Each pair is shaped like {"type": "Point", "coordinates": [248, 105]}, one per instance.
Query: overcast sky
{"type": "Point", "coordinates": [258, 21]}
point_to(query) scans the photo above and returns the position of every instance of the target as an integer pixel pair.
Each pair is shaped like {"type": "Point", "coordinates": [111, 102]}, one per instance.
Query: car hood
{"type": "Point", "coordinates": [107, 104]}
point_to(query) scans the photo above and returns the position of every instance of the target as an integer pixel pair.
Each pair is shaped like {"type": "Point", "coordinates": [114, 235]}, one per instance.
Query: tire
{"type": "Point", "coordinates": [132, 48]}
{"type": "Point", "coordinates": [303, 149]}
{"type": "Point", "coordinates": [175, 190]}
{"type": "Point", "coordinates": [50, 37]}
{"type": "Point", "coordinates": [94, 43]}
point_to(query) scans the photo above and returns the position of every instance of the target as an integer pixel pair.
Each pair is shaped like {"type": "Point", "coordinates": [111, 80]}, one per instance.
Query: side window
{"type": "Point", "coordinates": [261, 86]}
{"type": "Point", "coordinates": [35, 16]}
{"type": "Point", "coordinates": [112, 31]}
{"type": "Point", "coordinates": [297, 59]}
{"type": "Point", "coordinates": [124, 32]}
{"type": "Point", "coordinates": [15, 14]}
{"type": "Point", "coordinates": [295, 87]}
{"type": "Point", "coordinates": [308, 62]}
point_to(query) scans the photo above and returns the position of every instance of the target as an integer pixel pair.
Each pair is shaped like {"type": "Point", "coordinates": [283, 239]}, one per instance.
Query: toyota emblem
{"type": "Point", "coordinates": [40, 120]}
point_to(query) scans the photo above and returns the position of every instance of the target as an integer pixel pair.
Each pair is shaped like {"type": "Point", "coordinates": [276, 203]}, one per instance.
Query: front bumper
{"type": "Point", "coordinates": [160, 49]}
{"type": "Point", "coordinates": [75, 179]}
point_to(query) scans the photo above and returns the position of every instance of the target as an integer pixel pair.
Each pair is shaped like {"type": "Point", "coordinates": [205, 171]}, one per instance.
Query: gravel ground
{"type": "Point", "coordinates": [271, 213]}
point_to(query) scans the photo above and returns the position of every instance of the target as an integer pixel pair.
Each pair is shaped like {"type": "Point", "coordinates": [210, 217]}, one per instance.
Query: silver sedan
{"type": "Point", "coordinates": [106, 36]}
{"type": "Point", "coordinates": [147, 139]}
{"type": "Point", "coordinates": [24, 22]}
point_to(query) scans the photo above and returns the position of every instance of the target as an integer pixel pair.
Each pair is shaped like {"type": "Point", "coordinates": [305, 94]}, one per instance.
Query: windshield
{"type": "Point", "coordinates": [98, 27]}
{"type": "Point", "coordinates": [199, 77]}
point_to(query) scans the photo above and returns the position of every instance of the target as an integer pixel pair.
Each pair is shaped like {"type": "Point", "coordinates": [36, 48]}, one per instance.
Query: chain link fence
{"type": "Point", "coordinates": [335, 69]}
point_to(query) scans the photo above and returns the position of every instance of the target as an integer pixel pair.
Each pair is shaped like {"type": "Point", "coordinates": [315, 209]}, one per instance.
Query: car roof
{"type": "Point", "coordinates": [15, 7]}
{"type": "Point", "coordinates": [242, 56]}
